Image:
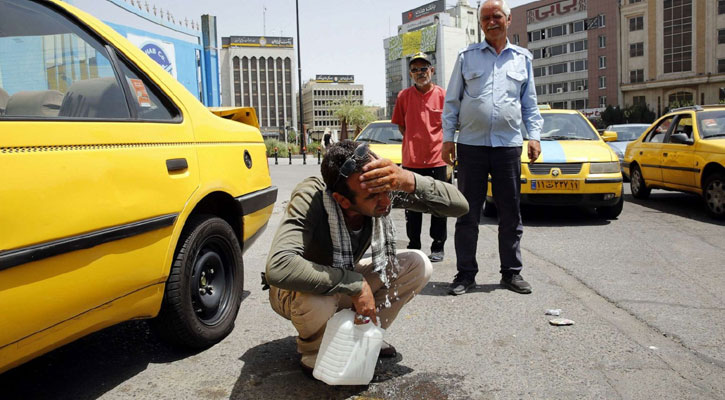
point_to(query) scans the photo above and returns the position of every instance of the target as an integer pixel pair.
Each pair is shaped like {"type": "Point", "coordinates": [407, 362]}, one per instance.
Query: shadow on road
{"type": "Point", "coordinates": [685, 205]}
{"type": "Point", "coordinates": [90, 366]}
{"type": "Point", "coordinates": [271, 371]}
{"type": "Point", "coordinates": [441, 288]}
{"type": "Point", "coordinates": [554, 216]}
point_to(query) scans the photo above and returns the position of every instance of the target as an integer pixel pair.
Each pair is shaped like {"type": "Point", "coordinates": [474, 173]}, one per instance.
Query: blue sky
{"type": "Point", "coordinates": [337, 36]}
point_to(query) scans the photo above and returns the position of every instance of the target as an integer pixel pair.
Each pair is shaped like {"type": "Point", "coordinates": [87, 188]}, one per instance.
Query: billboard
{"type": "Point", "coordinates": [335, 78]}
{"type": "Point", "coordinates": [258, 41]}
{"type": "Point", "coordinates": [425, 10]}
{"type": "Point", "coordinates": [160, 51]}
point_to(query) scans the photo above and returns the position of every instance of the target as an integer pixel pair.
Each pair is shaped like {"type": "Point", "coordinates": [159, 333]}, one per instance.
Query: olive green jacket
{"type": "Point", "coordinates": [300, 258]}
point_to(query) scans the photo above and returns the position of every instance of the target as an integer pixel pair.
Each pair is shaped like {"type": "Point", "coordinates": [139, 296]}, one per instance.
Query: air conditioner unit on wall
{"type": "Point", "coordinates": [559, 90]}
{"type": "Point", "coordinates": [580, 88]}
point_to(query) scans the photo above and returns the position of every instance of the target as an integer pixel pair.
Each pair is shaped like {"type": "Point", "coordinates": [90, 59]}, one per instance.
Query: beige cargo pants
{"type": "Point", "coordinates": [309, 312]}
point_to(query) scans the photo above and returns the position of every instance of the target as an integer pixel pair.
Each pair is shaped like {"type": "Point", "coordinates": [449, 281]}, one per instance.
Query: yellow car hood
{"type": "Point", "coordinates": [394, 152]}
{"type": "Point", "coordinates": [563, 151]}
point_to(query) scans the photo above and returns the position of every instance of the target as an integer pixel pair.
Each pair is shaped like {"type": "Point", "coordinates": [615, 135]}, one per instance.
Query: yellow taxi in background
{"type": "Point", "coordinates": [576, 167]}
{"type": "Point", "coordinates": [385, 140]}
{"type": "Point", "coordinates": [685, 151]}
{"type": "Point", "coordinates": [121, 195]}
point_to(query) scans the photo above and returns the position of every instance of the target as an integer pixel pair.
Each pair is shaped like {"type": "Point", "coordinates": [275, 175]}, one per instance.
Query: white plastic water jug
{"type": "Point", "coordinates": [348, 352]}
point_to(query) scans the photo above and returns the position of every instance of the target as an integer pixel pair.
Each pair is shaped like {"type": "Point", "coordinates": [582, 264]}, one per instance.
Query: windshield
{"type": "Point", "coordinates": [711, 124]}
{"type": "Point", "coordinates": [381, 132]}
{"type": "Point", "coordinates": [628, 133]}
{"type": "Point", "coordinates": [565, 127]}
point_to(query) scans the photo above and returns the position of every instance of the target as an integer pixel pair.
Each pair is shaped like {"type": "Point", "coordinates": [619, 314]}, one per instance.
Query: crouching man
{"type": "Point", "coordinates": [315, 265]}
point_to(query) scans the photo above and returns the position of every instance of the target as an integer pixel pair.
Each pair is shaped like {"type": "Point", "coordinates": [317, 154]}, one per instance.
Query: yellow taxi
{"type": "Point", "coordinates": [576, 167]}
{"type": "Point", "coordinates": [685, 151]}
{"type": "Point", "coordinates": [121, 195]}
{"type": "Point", "coordinates": [385, 140]}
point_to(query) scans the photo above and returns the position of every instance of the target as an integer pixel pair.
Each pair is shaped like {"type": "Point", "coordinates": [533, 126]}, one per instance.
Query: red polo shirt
{"type": "Point", "coordinates": [420, 113]}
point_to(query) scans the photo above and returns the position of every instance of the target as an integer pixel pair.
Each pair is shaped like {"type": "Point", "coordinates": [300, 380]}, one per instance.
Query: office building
{"type": "Point", "coordinates": [259, 72]}
{"type": "Point", "coordinates": [319, 98]}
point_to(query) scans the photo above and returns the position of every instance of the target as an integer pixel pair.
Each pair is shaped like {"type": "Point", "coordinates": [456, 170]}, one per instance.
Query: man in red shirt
{"type": "Point", "coordinates": [418, 116]}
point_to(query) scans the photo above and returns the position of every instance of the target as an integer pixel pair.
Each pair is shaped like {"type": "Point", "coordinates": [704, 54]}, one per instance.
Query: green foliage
{"type": "Point", "coordinates": [313, 147]}
{"type": "Point", "coordinates": [613, 115]}
{"type": "Point", "coordinates": [282, 150]}
{"type": "Point", "coordinates": [351, 113]}
{"type": "Point", "coordinates": [639, 113]}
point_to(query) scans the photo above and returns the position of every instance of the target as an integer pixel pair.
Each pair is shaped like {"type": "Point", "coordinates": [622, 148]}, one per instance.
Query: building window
{"type": "Point", "coordinates": [721, 65]}
{"type": "Point", "coordinates": [245, 81]}
{"type": "Point", "coordinates": [559, 105]}
{"type": "Point", "coordinates": [578, 46]}
{"type": "Point", "coordinates": [721, 6]}
{"type": "Point", "coordinates": [580, 65]}
{"type": "Point", "coordinates": [677, 35]}
{"type": "Point", "coordinates": [539, 71]}
{"type": "Point", "coordinates": [722, 94]}
{"type": "Point", "coordinates": [559, 30]}
{"type": "Point", "coordinates": [639, 101]}
{"type": "Point", "coordinates": [558, 50]}
{"type": "Point", "coordinates": [634, 1]}
{"type": "Point", "coordinates": [602, 82]}
{"type": "Point", "coordinates": [560, 87]}
{"type": "Point", "coordinates": [602, 62]}
{"type": "Point", "coordinates": [720, 36]}
{"type": "Point", "coordinates": [637, 23]}
{"type": "Point", "coordinates": [579, 104]}
{"type": "Point", "coordinates": [537, 35]}
{"type": "Point", "coordinates": [602, 101]}
{"type": "Point", "coordinates": [516, 37]}
{"type": "Point", "coordinates": [558, 69]}
{"type": "Point", "coordinates": [579, 85]}
{"type": "Point", "coordinates": [577, 26]}
{"type": "Point", "coordinates": [636, 49]}
{"type": "Point", "coordinates": [237, 82]}
{"type": "Point", "coordinates": [540, 89]}
{"type": "Point", "coordinates": [683, 99]}
{"type": "Point", "coordinates": [602, 41]}
{"type": "Point", "coordinates": [636, 75]}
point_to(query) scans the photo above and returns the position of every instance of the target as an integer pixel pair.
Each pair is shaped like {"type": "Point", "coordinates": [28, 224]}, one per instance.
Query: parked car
{"type": "Point", "coordinates": [385, 140]}
{"type": "Point", "coordinates": [685, 151]}
{"type": "Point", "coordinates": [626, 133]}
{"type": "Point", "coordinates": [122, 196]}
{"type": "Point", "coordinates": [576, 167]}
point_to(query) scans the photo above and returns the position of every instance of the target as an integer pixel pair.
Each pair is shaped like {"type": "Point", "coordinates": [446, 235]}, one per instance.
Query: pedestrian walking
{"type": "Point", "coordinates": [417, 113]}
{"type": "Point", "coordinates": [491, 95]}
{"type": "Point", "coordinates": [315, 265]}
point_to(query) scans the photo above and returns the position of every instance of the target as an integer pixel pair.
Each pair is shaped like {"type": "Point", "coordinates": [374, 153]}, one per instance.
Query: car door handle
{"type": "Point", "coordinates": [176, 164]}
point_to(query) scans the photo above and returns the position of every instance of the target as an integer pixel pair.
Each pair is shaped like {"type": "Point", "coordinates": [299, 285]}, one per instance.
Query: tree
{"type": "Point", "coordinates": [639, 113]}
{"type": "Point", "coordinates": [612, 116]}
{"type": "Point", "coordinates": [351, 113]}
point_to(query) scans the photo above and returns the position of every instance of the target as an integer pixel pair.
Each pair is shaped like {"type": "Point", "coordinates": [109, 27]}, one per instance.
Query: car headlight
{"type": "Point", "coordinates": [604, 168]}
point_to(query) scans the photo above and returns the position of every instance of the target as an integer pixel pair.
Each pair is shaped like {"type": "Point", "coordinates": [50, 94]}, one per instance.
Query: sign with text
{"type": "Point", "coordinates": [160, 51]}
{"type": "Point", "coordinates": [557, 9]}
{"type": "Point", "coordinates": [257, 41]}
{"type": "Point", "coordinates": [422, 11]}
{"type": "Point", "coordinates": [335, 78]}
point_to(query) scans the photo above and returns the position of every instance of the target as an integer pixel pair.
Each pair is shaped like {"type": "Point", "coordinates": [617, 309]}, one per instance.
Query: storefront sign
{"type": "Point", "coordinates": [258, 41]}
{"type": "Point", "coordinates": [422, 11]}
{"type": "Point", "coordinates": [335, 78]}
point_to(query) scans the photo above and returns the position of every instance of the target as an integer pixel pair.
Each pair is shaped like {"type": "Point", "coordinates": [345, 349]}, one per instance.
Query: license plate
{"type": "Point", "coordinates": [561, 184]}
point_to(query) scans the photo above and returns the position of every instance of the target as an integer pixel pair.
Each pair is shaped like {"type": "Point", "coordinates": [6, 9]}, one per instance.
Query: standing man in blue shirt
{"type": "Point", "coordinates": [491, 96]}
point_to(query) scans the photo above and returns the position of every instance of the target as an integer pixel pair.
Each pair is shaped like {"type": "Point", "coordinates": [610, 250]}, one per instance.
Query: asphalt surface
{"type": "Point", "coordinates": [644, 290]}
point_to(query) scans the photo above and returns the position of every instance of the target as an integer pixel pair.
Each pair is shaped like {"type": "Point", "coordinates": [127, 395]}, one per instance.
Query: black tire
{"type": "Point", "coordinates": [489, 209]}
{"type": "Point", "coordinates": [637, 185]}
{"type": "Point", "coordinates": [611, 212]}
{"type": "Point", "coordinates": [204, 289]}
{"type": "Point", "coordinates": [713, 192]}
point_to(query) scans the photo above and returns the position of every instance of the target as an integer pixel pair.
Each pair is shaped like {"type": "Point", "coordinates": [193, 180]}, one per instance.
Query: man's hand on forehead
{"type": "Point", "coordinates": [382, 175]}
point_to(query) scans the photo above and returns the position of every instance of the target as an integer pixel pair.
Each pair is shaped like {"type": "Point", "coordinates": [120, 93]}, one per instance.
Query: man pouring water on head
{"type": "Point", "coordinates": [316, 266]}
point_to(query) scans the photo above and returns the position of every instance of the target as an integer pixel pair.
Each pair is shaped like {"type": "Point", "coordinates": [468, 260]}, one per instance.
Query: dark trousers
{"type": "Point", "coordinates": [475, 163]}
{"type": "Point", "coordinates": [414, 220]}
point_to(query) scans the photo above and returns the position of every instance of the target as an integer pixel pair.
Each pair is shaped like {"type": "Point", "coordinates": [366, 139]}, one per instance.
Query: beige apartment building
{"type": "Point", "coordinates": [672, 51]}
{"type": "Point", "coordinates": [319, 97]}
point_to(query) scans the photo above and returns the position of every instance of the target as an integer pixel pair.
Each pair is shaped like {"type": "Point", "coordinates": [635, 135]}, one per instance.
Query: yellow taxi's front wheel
{"type": "Point", "coordinates": [204, 289]}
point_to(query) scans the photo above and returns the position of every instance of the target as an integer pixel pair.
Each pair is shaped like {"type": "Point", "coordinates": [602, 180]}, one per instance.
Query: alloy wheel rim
{"type": "Point", "coordinates": [715, 197]}
{"type": "Point", "coordinates": [636, 184]}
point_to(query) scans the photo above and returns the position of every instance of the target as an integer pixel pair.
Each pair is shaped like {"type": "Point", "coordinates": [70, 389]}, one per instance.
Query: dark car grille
{"type": "Point", "coordinates": [545, 168]}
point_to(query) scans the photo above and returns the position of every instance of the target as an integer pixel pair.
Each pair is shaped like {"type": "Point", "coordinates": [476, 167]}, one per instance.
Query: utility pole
{"type": "Point", "coordinates": [299, 79]}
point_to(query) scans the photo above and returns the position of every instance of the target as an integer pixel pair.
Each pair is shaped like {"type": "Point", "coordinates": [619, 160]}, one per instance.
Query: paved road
{"type": "Point", "coordinates": [644, 290]}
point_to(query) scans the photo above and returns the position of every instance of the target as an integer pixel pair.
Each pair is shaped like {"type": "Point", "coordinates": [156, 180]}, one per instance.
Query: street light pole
{"type": "Point", "coordinates": [299, 79]}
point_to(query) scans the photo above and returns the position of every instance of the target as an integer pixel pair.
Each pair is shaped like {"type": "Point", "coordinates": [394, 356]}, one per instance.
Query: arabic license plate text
{"type": "Point", "coordinates": [562, 184]}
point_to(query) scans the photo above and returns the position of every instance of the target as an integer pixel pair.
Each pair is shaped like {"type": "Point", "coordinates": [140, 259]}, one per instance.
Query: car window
{"type": "Point", "coordinates": [657, 135]}
{"type": "Point", "coordinates": [149, 102]}
{"type": "Point", "coordinates": [566, 127]}
{"type": "Point", "coordinates": [711, 124]}
{"type": "Point", "coordinates": [684, 126]}
{"type": "Point", "coordinates": [627, 133]}
{"type": "Point", "coordinates": [51, 68]}
{"type": "Point", "coordinates": [381, 133]}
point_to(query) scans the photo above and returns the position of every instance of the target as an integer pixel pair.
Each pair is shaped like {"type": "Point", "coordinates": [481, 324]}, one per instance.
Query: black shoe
{"type": "Point", "coordinates": [461, 286]}
{"type": "Point", "coordinates": [515, 283]}
{"type": "Point", "coordinates": [387, 351]}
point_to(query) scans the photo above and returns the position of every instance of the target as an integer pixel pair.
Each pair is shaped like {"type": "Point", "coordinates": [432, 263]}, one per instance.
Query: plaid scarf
{"type": "Point", "coordinates": [383, 241]}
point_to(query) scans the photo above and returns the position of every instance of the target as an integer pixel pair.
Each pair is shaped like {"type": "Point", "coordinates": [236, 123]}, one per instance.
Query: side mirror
{"type": "Point", "coordinates": [681, 138]}
{"type": "Point", "coordinates": [609, 136]}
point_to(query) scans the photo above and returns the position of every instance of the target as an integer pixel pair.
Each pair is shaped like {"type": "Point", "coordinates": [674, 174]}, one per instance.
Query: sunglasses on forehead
{"type": "Point", "coordinates": [348, 167]}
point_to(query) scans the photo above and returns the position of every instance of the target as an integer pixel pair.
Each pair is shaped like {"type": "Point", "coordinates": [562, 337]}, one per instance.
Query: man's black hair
{"type": "Point", "coordinates": [335, 156]}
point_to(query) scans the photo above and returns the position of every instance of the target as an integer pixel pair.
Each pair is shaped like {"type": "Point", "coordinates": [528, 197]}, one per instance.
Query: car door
{"type": "Point", "coordinates": [650, 151]}
{"type": "Point", "coordinates": [678, 161]}
{"type": "Point", "coordinates": [97, 164]}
